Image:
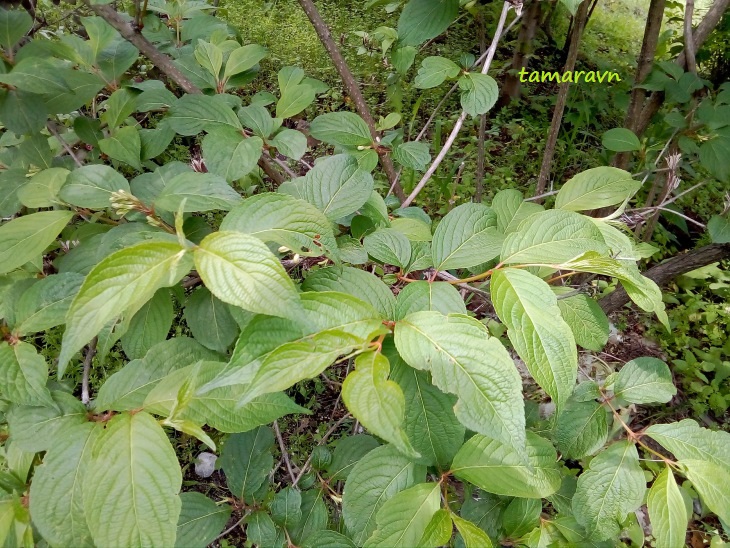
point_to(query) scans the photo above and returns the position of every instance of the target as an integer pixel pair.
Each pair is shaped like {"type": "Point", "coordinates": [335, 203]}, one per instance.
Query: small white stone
{"type": "Point", "coordinates": [205, 464]}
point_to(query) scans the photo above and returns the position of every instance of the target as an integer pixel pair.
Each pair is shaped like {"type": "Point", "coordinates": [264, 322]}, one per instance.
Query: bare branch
{"type": "Point", "coordinates": [284, 453]}
{"type": "Point", "coordinates": [90, 352]}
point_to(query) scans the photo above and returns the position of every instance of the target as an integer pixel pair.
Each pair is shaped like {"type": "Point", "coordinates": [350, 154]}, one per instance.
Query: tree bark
{"type": "Point", "coordinates": [481, 136]}
{"type": "Point", "coordinates": [670, 269]}
{"type": "Point", "coordinates": [643, 68]}
{"type": "Point", "coordinates": [689, 46]}
{"type": "Point", "coordinates": [351, 85]}
{"type": "Point", "coordinates": [164, 63]}
{"type": "Point", "coordinates": [700, 34]}
{"type": "Point", "coordinates": [547, 158]}
{"type": "Point", "coordinates": [511, 88]}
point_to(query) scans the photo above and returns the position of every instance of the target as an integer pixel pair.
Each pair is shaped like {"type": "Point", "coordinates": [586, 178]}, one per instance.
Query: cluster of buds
{"type": "Point", "coordinates": [122, 202]}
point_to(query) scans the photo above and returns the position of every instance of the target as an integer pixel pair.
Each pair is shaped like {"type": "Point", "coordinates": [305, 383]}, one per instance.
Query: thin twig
{"type": "Point", "coordinates": [64, 144]}
{"type": "Point", "coordinates": [450, 278]}
{"type": "Point", "coordinates": [232, 527]}
{"type": "Point", "coordinates": [90, 352]}
{"type": "Point", "coordinates": [327, 434]}
{"type": "Point", "coordinates": [284, 453]}
{"type": "Point", "coordinates": [457, 127]}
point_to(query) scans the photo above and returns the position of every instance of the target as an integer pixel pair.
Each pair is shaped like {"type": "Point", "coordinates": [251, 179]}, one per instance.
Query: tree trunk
{"type": "Point", "coordinates": [670, 269]}
{"type": "Point", "coordinates": [689, 46]}
{"type": "Point", "coordinates": [481, 136]}
{"type": "Point", "coordinates": [547, 158]}
{"type": "Point", "coordinates": [700, 34]}
{"type": "Point", "coordinates": [643, 68]}
{"type": "Point", "coordinates": [511, 88]}
{"type": "Point", "coordinates": [351, 85]}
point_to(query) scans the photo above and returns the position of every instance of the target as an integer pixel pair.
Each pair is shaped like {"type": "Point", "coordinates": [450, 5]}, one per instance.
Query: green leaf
{"type": "Point", "coordinates": [389, 247]}
{"type": "Point", "coordinates": [290, 143]}
{"type": "Point", "coordinates": [345, 129]}
{"type": "Point", "coordinates": [479, 93]}
{"type": "Point", "coordinates": [497, 468]}
{"type": "Point", "coordinates": [23, 375]}
{"type": "Point", "coordinates": [295, 94]}
{"type": "Point", "coordinates": [473, 536]}
{"type": "Point", "coordinates": [244, 58]}
{"type": "Point", "coordinates": [149, 326]}
{"type": "Point", "coordinates": [571, 5]}
{"type": "Point", "coordinates": [465, 237]}
{"type": "Point", "coordinates": [12, 181]}
{"type": "Point", "coordinates": [14, 24]}
{"type": "Point", "coordinates": [286, 508]}
{"type": "Point", "coordinates": [402, 520]}
{"type": "Point", "coordinates": [645, 380]}
{"type": "Point", "coordinates": [135, 477]}
{"type": "Point", "coordinates": [56, 503]}
{"type": "Point", "coordinates": [581, 428]}
{"type": "Point", "coordinates": [201, 192]}
{"type": "Point", "coordinates": [247, 460]}
{"type": "Point", "coordinates": [714, 154]}
{"type": "Point", "coordinates": [22, 112]}
{"type": "Point", "coordinates": [327, 539]}
{"type": "Point", "coordinates": [710, 481]}
{"type": "Point", "coordinates": [355, 282]}
{"type": "Point", "coordinates": [378, 403]}
{"type": "Point", "coordinates": [34, 429]}
{"type": "Point", "coordinates": [210, 57]}
{"type": "Point", "coordinates": [688, 441]}
{"type": "Point", "coordinates": [194, 113]}
{"type": "Point", "coordinates": [456, 348]}
{"type": "Point", "coordinates": [413, 155]}
{"type": "Point", "coordinates": [240, 270]}
{"type": "Point", "coordinates": [285, 220]}
{"type": "Point", "coordinates": [596, 188]}
{"type": "Point", "coordinates": [348, 452]}
{"type": "Point", "coordinates": [45, 304]}
{"type": "Point", "coordinates": [124, 281]}
{"type": "Point", "coordinates": [511, 209]}
{"type": "Point", "coordinates": [430, 423]}
{"type": "Point", "coordinates": [257, 119]}
{"type": "Point", "coordinates": [413, 229]}
{"type": "Point", "coordinates": [613, 486]}
{"type": "Point", "coordinates": [314, 516]}
{"type": "Point", "coordinates": [25, 238]}
{"type": "Point", "coordinates": [420, 296]}
{"type": "Point", "coordinates": [433, 72]}
{"type": "Point", "coordinates": [422, 20]}
{"type": "Point", "coordinates": [336, 186]}
{"type": "Point", "coordinates": [620, 140]}
{"type": "Point", "coordinates": [586, 320]}
{"type": "Point", "coordinates": [229, 154]}
{"type": "Point", "coordinates": [439, 530]}
{"type": "Point", "coordinates": [209, 320]}
{"type": "Point", "coordinates": [200, 520]}
{"type": "Point", "coordinates": [119, 106]}
{"type": "Point", "coordinates": [124, 145]}
{"type": "Point", "coordinates": [667, 511]}
{"type": "Point", "coordinates": [719, 229]}
{"type": "Point", "coordinates": [261, 530]}
{"type": "Point", "coordinates": [43, 188]}
{"type": "Point", "coordinates": [552, 237]}
{"type": "Point", "coordinates": [92, 186]}
{"type": "Point", "coordinates": [36, 151]}
{"type": "Point", "coordinates": [375, 478]}
{"type": "Point", "coordinates": [521, 516]}
{"type": "Point", "coordinates": [542, 339]}
{"type": "Point", "coordinates": [127, 389]}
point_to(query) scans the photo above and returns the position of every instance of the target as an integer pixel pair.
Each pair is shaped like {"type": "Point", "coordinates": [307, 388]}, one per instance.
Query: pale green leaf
{"type": "Point", "coordinates": [413, 229]}
{"type": "Point", "coordinates": [92, 186]}
{"type": "Point", "coordinates": [194, 113]}
{"type": "Point", "coordinates": [497, 468]}
{"type": "Point", "coordinates": [466, 237]}
{"type": "Point", "coordinates": [645, 380]}
{"type": "Point", "coordinates": [689, 441]}
{"type": "Point", "coordinates": [56, 500]}
{"type": "Point", "coordinates": [596, 188]}
{"type": "Point", "coordinates": [434, 70]}
{"type": "Point", "coordinates": [402, 520]}
{"type": "Point", "coordinates": [342, 129]}
{"type": "Point", "coordinates": [124, 281]}
{"type": "Point", "coordinates": [710, 480]}
{"type": "Point", "coordinates": [571, 5]}
{"type": "Point", "coordinates": [290, 142]}
{"type": "Point", "coordinates": [586, 320]}
{"type": "Point", "coordinates": [229, 154]}
{"type": "Point", "coordinates": [348, 452]}
{"type": "Point", "coordinates": [200, 191]}
{"type": "Point", "coordinates": [45, 304]}
{"type": "Point", "coordinates": [23, 375]}
{"type": "Point", "coordinates": [542, 339]}
{"type": "Point", "coordinates": [473, 536]}
{"type": "Point", "coordinates": [479, 93]}
{"type": "Point", "coordinates": [620, 139]}
{"type": "Point", "coordinates": [422, 20]}
{"type": "Point", "coordinates": [552, 237]}
{"type": "Point", "coordinates": [210, 57]}
{"type": "Point", "coordinates": [521, 516]}
{"type": "Point", "coordinates": [124, 145]}
{"type": "Point", "coordinates": [465, 361]}
{"type": "Point", "coordinates": [25, 238]}
{"type": "Point", "coordinates": [285, 220]}
{"type": "Point", "coordinates": [438, 531]}
{"type": "Point", "coordinates": [581, 429]}
{"type": "Point", "coordinates": [389, 247]}
{"type": "Point", "coordinates": [667, 511]}
{"type": "Point", "coordinates": [43, 188]}
{"type": "Point", "coordinates": [134, 476]}
{"type": "Point", "coordinates": [375, 478]}
{"type": "Point", "coordinates": [257, 118]}
{"type": "Point", "coordinates": [413, 155]}
{"type": "Point", "coordinates": [240, 270]}
{"type": "Point", "coordinates": [377, 402]}
{"type": "Point", "coordinates": [511, 209]}
{"type": "Point", "coordinates": [244, 58]}
{"type": "Point", "coordinates": [718, 227]}
{"type": "Point", "coordinates": [201, 519]}
{"type": "Point", "coordinates": [422, 295]}
{"type": "Point", "coordinates": [613, 486]}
